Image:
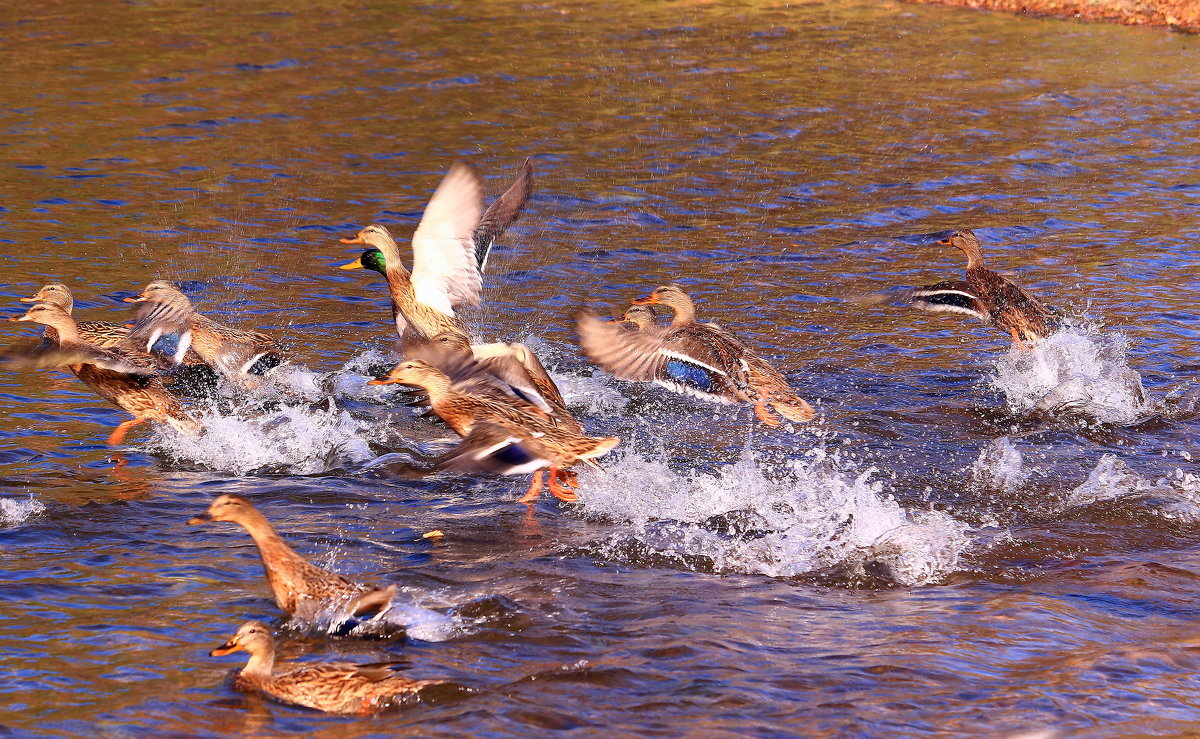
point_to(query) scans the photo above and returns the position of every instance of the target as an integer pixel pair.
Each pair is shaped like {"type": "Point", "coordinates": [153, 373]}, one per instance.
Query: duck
{"type": "Point", "coordinates": [638, 318]}
{"type": "Point", "coordinates": [988, 296]}
{"type": "Point", "coordinates": [501, 433]}
{"type": "Point", "coordinates": [97, 333]}
{"type": "Point", "coordinates": [333, 687]}
{"type": "Point", "coordinates": [301, 590]}
{"type": "Point", "coordinates": [447, 263]}
{"type": "Point", "coordinates": [445, 274]}
{"type": "Point", "coordinates": [126, 379]}
{"type": "Point", "coordinates": [698, 359]}
{"type": "Point", "coordinates": [169, 326]}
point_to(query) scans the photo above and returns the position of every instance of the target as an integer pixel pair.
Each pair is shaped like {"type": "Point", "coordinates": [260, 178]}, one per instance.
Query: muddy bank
{"type": "Point", "coordinates": [1180, 15]}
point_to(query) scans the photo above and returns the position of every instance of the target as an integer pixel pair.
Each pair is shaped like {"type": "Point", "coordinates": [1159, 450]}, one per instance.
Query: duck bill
{"type": "Point", "coordinates": [386, 381]}
{"type": "Point", "coordinates": [648, 300]}
{"type": "Point", "coordinates": [355, 240]}
{"type": "Point", "coordinates": [356, 264]}
{"type": "Point", "coordinates": [24, 317]}
{"type": "Point", "coordinates": [228, 647]}
{"type": "Point", "coordinates": [203, 518]}
{"type": "Point", "coordinates": [137, 299]}
{"type": "Point", "coordinates": [34, 299]}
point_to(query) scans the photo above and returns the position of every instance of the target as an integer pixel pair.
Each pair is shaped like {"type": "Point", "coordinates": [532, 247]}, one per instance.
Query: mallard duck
{"type": "Point", "coordinates": [702, 360]}
{"type": "Point", "coordinates": [99, 333]}
{"type": "Point", "coordinates": [987, 296]}
{"type": "Point", "coordinates": [169, 326]}
{"type": "Point", "coordinates": [445, 273]}
{"type": "Point", "coordinates": [447, 267]}
{"type": "Point", "coordinates": [301, 590]}
{"type": "Point", "coordinates": [124, 378]}
{"type": "Point", "coordinates": [501, 433]}
{"type": "Point", "coordinates": [639, 317]}
{"type": "Point", "coordinates": [334, 687]}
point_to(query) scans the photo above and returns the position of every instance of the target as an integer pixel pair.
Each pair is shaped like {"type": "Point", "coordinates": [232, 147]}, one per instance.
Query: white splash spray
{"type": "Point", "coordinates": [14, 512]}
{"type": "Point", "coordinates": [999, 466]}
{"type": "Point", "coordinates": [1078, 371]}
{"type": "Point", "coordinates": [808, 516]}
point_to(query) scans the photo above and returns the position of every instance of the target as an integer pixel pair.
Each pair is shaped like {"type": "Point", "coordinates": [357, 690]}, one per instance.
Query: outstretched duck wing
{"type": "Point", "coordinates": [162, 329]}
{"type": "Point", "coordinates": [502, 213]}
{"type": "Point", "coordinates": [445, 273]}
{"type": "Point", "coordinates": [950, 296]}
{"type": "Point", "coordinates": [44, 357]}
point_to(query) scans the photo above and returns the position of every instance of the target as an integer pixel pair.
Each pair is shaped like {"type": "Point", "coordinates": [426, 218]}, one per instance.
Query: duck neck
{"type": "Point", "coordinates": [438, 387]}
{"type": "Point", "coordinates": [66, 330]}
{"type": "Point", "coordinates": [684, 309]}
{"type": "Point", "coordinates": [277, 557]}
{"type": "Point", "coordinates": [261, 664]}
{"type": "Point", "coordinates": [974, 255]}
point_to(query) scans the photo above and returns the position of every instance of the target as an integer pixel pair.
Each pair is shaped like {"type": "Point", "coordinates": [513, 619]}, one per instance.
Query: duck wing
{"type": "Point", "coordinates": [949, 296]}
{"type": "Point", "coordinates": [502, 213]}
{"type": "Point", "coordinates": [694, 360]}
{"type": "Point", "coordinates": [445, 272]}
{"type": "Point", "coordinates": [162, 329]}
{"type": "Point", "coordinates": [39, 357]}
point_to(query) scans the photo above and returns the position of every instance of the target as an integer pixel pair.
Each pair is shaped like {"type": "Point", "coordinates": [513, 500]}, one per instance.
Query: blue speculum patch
{"type": "Point", "coordinates": [689, 374]}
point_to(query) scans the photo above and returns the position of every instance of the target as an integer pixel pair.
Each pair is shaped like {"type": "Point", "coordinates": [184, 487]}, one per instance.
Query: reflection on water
{"type": "Point", "coordinates": [972, 539]}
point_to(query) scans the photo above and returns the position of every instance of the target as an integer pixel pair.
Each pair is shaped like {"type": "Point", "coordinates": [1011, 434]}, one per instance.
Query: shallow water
{"type": "Point", "coordinates": [973, 539]}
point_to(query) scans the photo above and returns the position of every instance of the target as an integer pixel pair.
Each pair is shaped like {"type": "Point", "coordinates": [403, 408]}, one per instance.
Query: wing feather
{"type": "Point", "coordinates": [445, 272]}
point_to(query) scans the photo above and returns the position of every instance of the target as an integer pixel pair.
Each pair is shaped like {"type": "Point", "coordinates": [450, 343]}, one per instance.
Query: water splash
{"type": "Point", "coordinates": [14, 512]}
{"type": "Point", "coordinates": [816, 515]}
{"type": "Point", "coordinates": [305, 440]}
{"type": "Point", "coordinates": [1175, 496]}
{"type": "Point", "coordinates": [404, 616]}
{"type": "Point", "coordinates": [1077, 371]}
{"type": "Point", "coordinates": [999, 466]}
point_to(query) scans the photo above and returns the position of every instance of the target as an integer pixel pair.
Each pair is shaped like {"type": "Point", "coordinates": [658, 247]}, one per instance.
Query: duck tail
{"type": "Point", "coordinates": [794, 409]}
{"type": "Point", "coordinates": [601, 446]}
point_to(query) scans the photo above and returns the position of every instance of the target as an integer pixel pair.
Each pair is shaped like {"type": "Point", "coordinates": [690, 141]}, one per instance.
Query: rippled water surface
{"type": "Point", "coordinates": [973, 539]}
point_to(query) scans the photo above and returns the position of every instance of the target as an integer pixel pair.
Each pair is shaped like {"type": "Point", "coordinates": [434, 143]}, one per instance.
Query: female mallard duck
{"type": "Point", "coordinates": [99, 333]}
{"type": "Point", "coordinates": [124, 378]}
{"type": "Point", "coordinates": [450, 251]}
{"type": "Point", "coordinates": [168, 325]}
{"type": "Point", "coordinates": [326, 686]}
{"type": "Point", "coordinates": [639, 318]}
{"type": "Point", "coordinates": [301, 589]}
{"type": "Point", "coordinates": [693, 358]}
{"type": "Point", "coordinates": [501, 433]}
{"type": "Point", "coordinates": [987, 296]}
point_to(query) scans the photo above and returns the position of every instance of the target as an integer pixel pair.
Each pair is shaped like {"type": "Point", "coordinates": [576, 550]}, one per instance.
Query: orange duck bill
{"type": "Point", "coordinates": [229, 647]}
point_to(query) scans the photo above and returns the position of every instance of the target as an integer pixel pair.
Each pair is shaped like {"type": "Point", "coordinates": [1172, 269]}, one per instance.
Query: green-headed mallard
{"type": "Point", "coordinates": [126, 379]}
{"type": "Point", "coordinates": [987, 296]}
{"type": "Point", "coordinates": [99, 333]}
{"type": "Point", "coordinates": [326, 686]}
{"type": "Point", "coordinates": [702, 360]}
{"type": "Point", "coordinates": [501, 433]}
{"type": "Point", "coordinates": [301, 590]}
{"type": "Point", "coordinates": [169, 326]}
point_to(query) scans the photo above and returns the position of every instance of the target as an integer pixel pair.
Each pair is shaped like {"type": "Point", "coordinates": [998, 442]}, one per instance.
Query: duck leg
{"type": "Point", "coordinates": [557, 490]}
{"type": "Point", "coordinates": [764, 413]}
{"type": "Point", "coordinates": [118, 434]}
{"type": "Point", "coordinates": [535, 489]}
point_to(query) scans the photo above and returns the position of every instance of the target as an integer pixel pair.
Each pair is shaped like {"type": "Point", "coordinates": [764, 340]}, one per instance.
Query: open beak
{"type": "Point", "coordinates": [944, 242]}
{"type": "Point", "coordinates": [356, 264]}
{"type": "Point", "coordinates": [650, 299]}
{"type": "Point", "coordinates": [228, 647]}
{"type": "Point", "coordinates": [138, 299]}
{"type": "Point", "coordinates": [201, 519]}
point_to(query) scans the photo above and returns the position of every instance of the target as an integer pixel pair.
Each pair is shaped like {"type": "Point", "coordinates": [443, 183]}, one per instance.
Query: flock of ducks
{"type": "Point", "coordinates": [497, 397]}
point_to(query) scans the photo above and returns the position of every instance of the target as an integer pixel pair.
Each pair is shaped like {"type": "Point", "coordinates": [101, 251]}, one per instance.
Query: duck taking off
{"type": "Point", "coordinates": [987, 296]}
{"type": "Point", "coordinates": [699, 359]}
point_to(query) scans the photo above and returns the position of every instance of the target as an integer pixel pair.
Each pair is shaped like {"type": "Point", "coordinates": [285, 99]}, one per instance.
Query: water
{"type": "Point", "coordinates": [973, 539]}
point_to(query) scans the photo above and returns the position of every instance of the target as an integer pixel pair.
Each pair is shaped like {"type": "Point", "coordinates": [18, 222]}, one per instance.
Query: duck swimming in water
{"type": "Point", "coordinates": [987, 296]}
{"type": "Point", "coordinates": [334, 687]}
{"type": "Point", "coordinates": [698, 359]}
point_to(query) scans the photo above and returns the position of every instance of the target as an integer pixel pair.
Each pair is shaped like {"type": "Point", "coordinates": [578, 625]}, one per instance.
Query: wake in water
{"type": "Point", "coordinates": [404, 616]}
{"type": "Point", "coordinates": [816, 516]}
{"type": "Point", "coordinates": [1079, 372]}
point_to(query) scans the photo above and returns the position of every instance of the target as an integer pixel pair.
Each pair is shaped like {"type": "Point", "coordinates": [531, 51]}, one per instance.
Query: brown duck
{"type": "Point", "coordinates": [126, 379]}
{"type": "Point", "coordinates": [987, 296]}
{"type": "Point", "coordinates": [167, 319]}
{"type": "Point", "coordinates": [98, 333]}
{"type": "Point", "coordinates": [301, 590]}
{"type": "Point", "coordinates": [697, 359]}
{"type": "Point", "coordinates": [334, 687]}
{"type": "Point", "coordinates": [501, 433]}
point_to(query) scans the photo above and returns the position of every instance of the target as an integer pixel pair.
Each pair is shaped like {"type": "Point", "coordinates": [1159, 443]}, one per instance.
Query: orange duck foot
{"type": "Point", "coordinates": [565, 494]}
{"type": "Point", "coordinates": [765, 415]}
{"type": "Point", "coordinates": [535, 489]}
{"type": "Point", "coordinates": [118, 434]}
